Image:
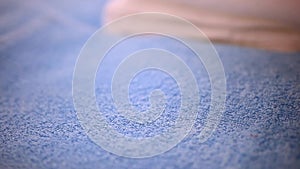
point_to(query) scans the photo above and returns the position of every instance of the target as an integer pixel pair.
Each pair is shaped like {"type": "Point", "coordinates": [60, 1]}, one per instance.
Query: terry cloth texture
{"type": "Point", "coordinates": [40, 42]}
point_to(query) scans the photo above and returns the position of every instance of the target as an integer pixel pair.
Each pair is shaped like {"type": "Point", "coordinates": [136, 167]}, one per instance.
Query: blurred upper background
{"type": "Point", "coordinates": [268, 24]}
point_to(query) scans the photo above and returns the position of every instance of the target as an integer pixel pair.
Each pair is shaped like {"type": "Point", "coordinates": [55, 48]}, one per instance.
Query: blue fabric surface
{"type": "Point", "coordinates": [40, 42]}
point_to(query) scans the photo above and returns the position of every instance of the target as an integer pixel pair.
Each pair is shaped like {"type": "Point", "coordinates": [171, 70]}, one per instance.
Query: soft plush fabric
{"type": "Point", "coordinates": [40, 42]}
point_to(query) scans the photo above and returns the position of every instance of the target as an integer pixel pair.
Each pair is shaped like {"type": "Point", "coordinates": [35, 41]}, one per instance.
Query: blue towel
{"type": "Point", "coordinates": [39, 128]}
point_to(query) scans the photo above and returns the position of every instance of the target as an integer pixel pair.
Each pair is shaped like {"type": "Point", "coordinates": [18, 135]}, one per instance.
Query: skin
{"type": "Point", "coordinates": [278, 10]}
